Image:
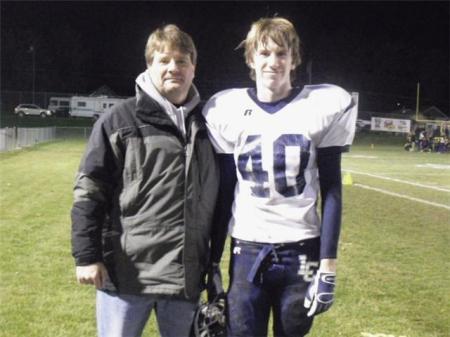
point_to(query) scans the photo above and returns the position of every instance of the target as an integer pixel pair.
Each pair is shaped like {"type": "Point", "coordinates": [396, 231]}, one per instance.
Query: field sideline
{"type": "Point", "coordinates": [393, 274]}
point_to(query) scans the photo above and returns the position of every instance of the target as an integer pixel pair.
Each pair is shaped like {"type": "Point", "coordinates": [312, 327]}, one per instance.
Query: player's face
{"type": "Point", "coordinates": [272, 65]}
{"type": "Point", "coordinates": [172, 73]}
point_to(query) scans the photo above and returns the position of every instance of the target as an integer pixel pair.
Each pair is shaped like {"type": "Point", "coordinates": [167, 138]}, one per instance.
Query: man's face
{"type": "Point", "coordinates": [272, 65]}
{"type": "Point", "coordinates": [172, 73]}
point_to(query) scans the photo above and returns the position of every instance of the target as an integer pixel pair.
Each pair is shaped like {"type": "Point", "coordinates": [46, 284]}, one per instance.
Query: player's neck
{"type": "Point", "coordinates": [268, 95]}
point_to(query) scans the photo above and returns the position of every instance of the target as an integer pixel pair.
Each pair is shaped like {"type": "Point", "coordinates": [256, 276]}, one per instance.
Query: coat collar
{"type": "Point", "coordinates": [144, 85]}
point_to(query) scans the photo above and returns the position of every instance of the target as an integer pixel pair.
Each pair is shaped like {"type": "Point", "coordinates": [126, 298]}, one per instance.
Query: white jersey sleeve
{"type": "Point", "coordinates": [219, 122]}
{"type": "Point", "coordinates": [339, 130]}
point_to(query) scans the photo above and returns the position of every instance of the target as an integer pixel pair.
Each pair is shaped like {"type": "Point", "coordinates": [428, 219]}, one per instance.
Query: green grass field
{"type": "Point", "coordinates": [393, 274]}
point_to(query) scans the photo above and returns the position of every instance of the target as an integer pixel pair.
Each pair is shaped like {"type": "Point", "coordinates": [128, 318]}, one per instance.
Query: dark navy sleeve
{"type": "Point", "coordinates": [222, 212]}
{"type": "Point", "coordinates": [329, 165]}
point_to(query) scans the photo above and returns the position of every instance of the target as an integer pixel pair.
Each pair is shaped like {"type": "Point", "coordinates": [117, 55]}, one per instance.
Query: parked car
{"type": "Point", "coordinates": [31, 110]}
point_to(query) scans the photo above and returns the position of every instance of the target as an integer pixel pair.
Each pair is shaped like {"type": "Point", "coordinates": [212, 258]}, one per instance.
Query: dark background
{"type": "Point", "coordinates": [380, 49]}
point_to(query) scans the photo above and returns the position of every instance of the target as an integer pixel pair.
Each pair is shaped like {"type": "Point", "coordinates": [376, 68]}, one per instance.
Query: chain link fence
{"type": "Point", "coordinates": [16, 138]}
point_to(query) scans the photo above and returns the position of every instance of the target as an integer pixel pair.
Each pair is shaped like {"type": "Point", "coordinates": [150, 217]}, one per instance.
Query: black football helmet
{"type": "Point", "coordinates": [210, 319]}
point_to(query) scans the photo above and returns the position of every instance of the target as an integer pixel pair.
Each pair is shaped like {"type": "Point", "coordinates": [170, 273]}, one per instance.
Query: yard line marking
{"type": "Point", "coordinates": [435, 166]}
{"type": "Point", "coordinates": [360, 156]}
{"type": "Point", "coordinates": [400, 181]}
{"type": "Point", "coordinates": [369, 334]}
{"type": "Point", "coordinates": [403, 196]}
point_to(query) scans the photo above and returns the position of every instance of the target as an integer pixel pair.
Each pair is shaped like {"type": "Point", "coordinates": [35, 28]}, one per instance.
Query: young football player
{"type": "Point", "coordinates": [279, 146]}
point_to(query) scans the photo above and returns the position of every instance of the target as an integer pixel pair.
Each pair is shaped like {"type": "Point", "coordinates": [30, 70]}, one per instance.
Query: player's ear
{"type": "Point", "coordinates": [251, 64]}
{"type": "Point", "coordinates": [250, 59]}
{"type": "Point", "coordinates": [295, 64]}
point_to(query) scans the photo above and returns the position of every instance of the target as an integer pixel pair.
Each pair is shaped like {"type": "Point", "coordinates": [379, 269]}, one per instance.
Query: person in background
{"type": "Point", "coordinates": [144, 198]}
{"type": "Point", "coordinates": [280, 146]}
{"type": "Point", "coordinates": [410, 142]}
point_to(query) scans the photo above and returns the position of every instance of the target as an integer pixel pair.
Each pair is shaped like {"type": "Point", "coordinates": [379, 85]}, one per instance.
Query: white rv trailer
{"type": "Point", "coordinates": [59, 105]}
{"type": "Point", "coordinates": [91, 106]}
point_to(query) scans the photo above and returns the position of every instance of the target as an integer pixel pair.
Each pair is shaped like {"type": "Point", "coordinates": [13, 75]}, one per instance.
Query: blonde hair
{"type": "Point", "coordinates": [281, 31]}
{"type": "Point", "coordinates": [172, 37]}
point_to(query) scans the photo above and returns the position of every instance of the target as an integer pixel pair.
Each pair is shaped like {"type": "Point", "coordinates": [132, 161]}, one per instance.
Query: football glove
{"type": "Point", "coordinates": [320, 294]}
{"type": "Point", "coordinates": [214, 285]}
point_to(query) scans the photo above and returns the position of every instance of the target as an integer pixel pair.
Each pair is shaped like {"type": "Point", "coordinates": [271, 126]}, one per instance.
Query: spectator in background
{"type": "Point", "coordinates": [410, 142]}
{"type": "Point", "coordinates": [446, 131]}
{"type": "Point", "coordinates": [424, 142]}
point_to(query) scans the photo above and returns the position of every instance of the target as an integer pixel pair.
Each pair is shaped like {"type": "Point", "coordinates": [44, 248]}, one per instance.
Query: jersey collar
{"type": "Point", "coordinates": [272, 107]}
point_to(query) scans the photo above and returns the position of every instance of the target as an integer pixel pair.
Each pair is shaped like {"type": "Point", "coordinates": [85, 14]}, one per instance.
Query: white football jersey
{"type": "Point", "coordinates": [275, 156]}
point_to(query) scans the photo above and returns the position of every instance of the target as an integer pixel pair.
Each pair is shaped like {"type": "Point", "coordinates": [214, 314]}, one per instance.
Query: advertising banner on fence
{"type": "Point", "coordinates": [390, 124]}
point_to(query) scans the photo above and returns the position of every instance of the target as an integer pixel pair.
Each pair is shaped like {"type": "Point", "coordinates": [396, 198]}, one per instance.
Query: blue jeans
{"type": "Point", "coordinates": [121, 315]}
{"type": "Point", "coordinates": [265, 277]}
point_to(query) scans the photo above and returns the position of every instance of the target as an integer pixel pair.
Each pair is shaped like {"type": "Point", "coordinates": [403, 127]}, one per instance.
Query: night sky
{"type": "Point", "coordinates": [380, 49]}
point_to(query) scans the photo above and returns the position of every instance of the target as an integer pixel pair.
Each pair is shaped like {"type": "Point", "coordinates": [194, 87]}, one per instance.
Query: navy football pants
{"type": "Point", "coordinates": [265, 277]}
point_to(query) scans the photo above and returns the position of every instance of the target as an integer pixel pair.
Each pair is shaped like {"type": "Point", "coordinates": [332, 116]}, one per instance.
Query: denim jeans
{"type": "Point", "coordinates": [266, 277]}
{"type": "Point", "coordinates": [121, 315]}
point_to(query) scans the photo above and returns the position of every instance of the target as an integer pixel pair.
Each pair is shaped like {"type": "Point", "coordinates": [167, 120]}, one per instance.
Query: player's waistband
{"type": "Point", "coordinates": [278, 246]}
{"type": "Point", "coordinates": [271, 252]}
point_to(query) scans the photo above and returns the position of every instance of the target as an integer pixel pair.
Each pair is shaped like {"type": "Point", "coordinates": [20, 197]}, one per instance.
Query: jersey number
{"type": "Point", "coordinates": [259, 176]}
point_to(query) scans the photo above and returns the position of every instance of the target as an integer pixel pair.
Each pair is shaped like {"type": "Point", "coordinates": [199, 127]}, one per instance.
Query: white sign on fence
{"type": "Point", "coordinates": [390, 124]}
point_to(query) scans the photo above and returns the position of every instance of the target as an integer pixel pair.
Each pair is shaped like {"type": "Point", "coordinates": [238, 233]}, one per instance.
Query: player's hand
{"type": "Point", "coordinates": [214, 285]}
{"type": "Point", "coordinates": [320, 294]}
{"type": "Point", "coordinates": [95, 274]}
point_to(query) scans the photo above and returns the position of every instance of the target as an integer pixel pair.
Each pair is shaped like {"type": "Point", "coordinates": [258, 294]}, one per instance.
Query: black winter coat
{"type": "Point", "coordinates": [144, 200]}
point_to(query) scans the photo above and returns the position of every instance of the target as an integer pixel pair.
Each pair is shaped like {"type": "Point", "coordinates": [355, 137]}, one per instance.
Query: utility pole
{"type": "Point", "coordinates": [33, 61]}
{"type": "Point", "coordinates": [417, 100]}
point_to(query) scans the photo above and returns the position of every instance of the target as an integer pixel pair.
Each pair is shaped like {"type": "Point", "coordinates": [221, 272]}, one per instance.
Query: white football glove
{"type": "Point", "coordinates": [320, 294]}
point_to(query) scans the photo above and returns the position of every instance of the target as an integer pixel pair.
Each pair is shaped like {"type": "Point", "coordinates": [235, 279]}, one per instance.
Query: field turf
{"type": "Point", "coordinates": [393, 271]}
